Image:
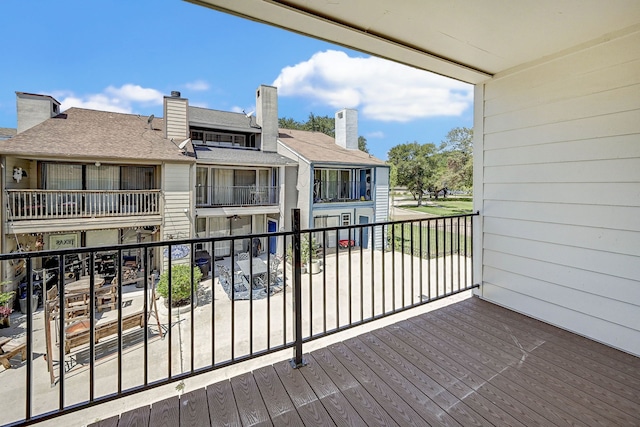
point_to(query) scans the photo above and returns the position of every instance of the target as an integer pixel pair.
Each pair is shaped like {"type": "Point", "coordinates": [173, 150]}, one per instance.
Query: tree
{"type": "Point", "coordinates": [362, 144]}
{"type": "Point", "coordinates": [418, 167]}
{"type": "Point", "coordinates": [324, 124]}
{"type": "Point", "coordinates": [289, 123]}
{"type": "Point", "coordinates": [458, 151]}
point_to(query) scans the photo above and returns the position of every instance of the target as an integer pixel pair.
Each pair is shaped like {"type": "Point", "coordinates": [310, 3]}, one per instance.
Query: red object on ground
{"type": "Point", "coordinates": [346, 243]}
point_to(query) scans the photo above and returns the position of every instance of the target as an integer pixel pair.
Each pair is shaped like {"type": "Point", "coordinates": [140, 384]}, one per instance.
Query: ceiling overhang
{"type": "Point", "coordinates": [302, 22]}
{"type": "Point", "coordinates": [468, 40]}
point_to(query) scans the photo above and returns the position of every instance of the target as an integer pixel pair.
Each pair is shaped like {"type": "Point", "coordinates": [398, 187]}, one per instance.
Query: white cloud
{"type": "Point", "coordinates": [198, 86]}
{"type": "Point", "coordinates": [376, 134]}
{"type": "Point", "coordinates": [246, 110]}
{"type": "Point", "coordinates": [379, 89]}
{"type": "Point", "coordinates": [198, 104]}
{"type": "Point", "coordinates": [123, 99]}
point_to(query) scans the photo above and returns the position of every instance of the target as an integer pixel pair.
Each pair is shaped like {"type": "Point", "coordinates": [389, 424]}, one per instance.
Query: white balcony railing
{"type": "Point", "coordinates": [248, 195]}
{"type": "Point", "coordinates": [48, 204]}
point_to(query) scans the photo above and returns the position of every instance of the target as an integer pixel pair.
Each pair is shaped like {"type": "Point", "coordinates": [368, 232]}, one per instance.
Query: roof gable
{"type": "Point", "coordinates": [317, 147]}
{"type": "Point", "coordinates": [89, 134]}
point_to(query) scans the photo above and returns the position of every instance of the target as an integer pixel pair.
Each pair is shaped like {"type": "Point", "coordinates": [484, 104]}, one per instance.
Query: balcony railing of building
{"type": "Point", "coordinates": [247, 195]}
{"type": "Point", "coordinates": [340, 191]}
{"type": "Point", "coordinates": [51, 204]}
{"type": "Point", "coordinates": [88, 340]}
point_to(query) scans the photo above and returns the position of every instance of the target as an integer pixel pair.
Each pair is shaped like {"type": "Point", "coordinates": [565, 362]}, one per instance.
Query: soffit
{"type": "Point", "coordinates": [468, 40]}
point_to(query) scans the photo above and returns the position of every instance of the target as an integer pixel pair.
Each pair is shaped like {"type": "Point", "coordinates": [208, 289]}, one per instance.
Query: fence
{"type": "Point", "coordinates": [98, 332]}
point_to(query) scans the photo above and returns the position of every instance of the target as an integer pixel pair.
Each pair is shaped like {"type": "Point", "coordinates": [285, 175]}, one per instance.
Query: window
{"type": "Point", "coordinates": [202, 185]}
{"type": "Point", "coordinates": [346, 219]}
{"type": "Point", "coordinates": [221, 139]}
{"type": "Point", "coordinates": [137, 178]}
{"type": "Point", "coordinates": [331, 185]}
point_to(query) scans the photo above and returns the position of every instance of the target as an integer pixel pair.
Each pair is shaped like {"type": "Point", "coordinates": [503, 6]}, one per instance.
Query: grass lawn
{"type": "Point", "coordinates": [437, 240]}
{"type": "Point", "coordinates": [445, 207]}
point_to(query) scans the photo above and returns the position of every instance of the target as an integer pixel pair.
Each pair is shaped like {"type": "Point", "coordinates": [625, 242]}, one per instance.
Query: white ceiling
{"type": "Point", "coordinates": [469, 40]}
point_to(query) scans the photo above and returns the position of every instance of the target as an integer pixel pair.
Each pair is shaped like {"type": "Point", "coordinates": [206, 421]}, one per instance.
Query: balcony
{"type": "Point", "coordinates": [468, 363]}
{"type": "Point", "coordinates": [56, 204]}
{"type": "Point", "coordinates": [340, 191]}
{"type": "Point", "coordinates": [248, 195]}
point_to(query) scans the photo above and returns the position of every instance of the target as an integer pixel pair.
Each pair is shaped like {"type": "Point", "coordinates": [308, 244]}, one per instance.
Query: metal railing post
{"type": "Point", "coordinates": [297, 360]}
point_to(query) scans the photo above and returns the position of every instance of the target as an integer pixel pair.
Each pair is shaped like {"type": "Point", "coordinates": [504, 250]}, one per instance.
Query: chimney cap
{"type": "Point", "coordinates": [175, 94]}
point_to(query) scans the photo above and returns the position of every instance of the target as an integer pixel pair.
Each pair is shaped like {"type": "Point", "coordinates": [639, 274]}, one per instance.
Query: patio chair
{"type": "Point", "coordinates": [8, 350]}
{"type": "Point", "coordinates": [243, 256]}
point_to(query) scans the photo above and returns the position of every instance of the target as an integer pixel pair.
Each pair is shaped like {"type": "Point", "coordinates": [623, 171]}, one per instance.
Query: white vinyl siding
{"type": "Point", "coordinates": [381, 181]}
{"type": "Point", "coordinates": [560, 191]}
{"type": "Point", "coordinates": [177, 206]}
{"type": "Point", "coordinates": [176, 118]}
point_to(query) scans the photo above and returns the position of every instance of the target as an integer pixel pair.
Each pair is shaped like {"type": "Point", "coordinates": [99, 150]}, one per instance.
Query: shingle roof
{"type": "Point", "coordinates": [222, 120]}
{"type": "Point", "coordinates": [7, 133]}
{"type": "Point", "coordinates": [240, 157]}
{"type": "Point", "coordinates": [316, 147]}
{"type": "Point", "coordinates": [89, 134]}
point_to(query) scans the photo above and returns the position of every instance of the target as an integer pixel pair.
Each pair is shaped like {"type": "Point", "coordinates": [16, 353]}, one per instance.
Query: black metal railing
{"type": "Point", "coordinates": [103, 325]}
{"type": "Point", "coordinates": [341, 191]}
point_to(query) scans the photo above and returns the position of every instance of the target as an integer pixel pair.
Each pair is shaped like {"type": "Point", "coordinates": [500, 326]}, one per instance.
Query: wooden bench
{"type": "Point", "coordinates": [78, 333]}
{"type": "Point", "coordinates": [9, 350]}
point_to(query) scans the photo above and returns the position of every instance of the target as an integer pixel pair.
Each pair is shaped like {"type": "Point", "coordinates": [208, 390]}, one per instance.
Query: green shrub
{"type": "Point", "coordinates": [180, 281]}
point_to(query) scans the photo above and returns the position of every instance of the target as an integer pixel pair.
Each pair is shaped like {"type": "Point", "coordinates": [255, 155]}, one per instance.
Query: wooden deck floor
{"type": "Point", "coordinates": [471, 363]}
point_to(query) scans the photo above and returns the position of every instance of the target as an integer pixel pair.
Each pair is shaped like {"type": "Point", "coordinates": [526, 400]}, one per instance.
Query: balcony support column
{"type": "Point", "coordinates": [297, 360]}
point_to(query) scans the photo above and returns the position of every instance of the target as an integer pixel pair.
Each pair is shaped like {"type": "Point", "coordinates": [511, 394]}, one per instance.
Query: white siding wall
{"type": "Point", "coordinates": [175, 115]}
{"type": "Point", "coordinates": [290, 180]}
{"type": "Point", "coordinates": [560, 193]}
{"type": "Point", "coordinates": [176, 187]}
{"type": "Point", "coordinates": [381, 182]}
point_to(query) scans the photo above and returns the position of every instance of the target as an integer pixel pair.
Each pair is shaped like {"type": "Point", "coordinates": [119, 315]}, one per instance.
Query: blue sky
{"type": "Point", "coordinates": [126, 55]}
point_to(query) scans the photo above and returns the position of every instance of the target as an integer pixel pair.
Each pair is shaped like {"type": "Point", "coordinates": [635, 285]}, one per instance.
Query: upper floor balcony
{"type": "Point", "coordinates": [37, 204]}
{"type": "Point", "coordinates": [237, 195]}
{"type": "Point", "coordinates": [341, 191]}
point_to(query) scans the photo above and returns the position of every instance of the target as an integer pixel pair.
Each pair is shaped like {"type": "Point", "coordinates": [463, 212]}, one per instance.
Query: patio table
{"type": "Point", "coordinates": [259, 266]}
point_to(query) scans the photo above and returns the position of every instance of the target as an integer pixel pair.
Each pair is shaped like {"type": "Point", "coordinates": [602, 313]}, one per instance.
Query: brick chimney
{"type": "Point", "coordinates": [267, 116]}
{"type": "Point", "coordinates": [34, 109]}
{"type": "Point", "coordinates": [347, 128]}
{"type": "Point", "coordinates": [176, 124]}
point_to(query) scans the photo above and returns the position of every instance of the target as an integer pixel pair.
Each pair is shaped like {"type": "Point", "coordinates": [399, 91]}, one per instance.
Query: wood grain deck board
{"type": "Point", "coordinates": [529, 408]}
{"type": "Point", "coordinates": [624, 369]}
{"type": "Point", "coordinates": [392, 402]}
{"type": "Point", "coordinates": [135, 418]}
{"type": "Point", "coordinates": [332, 399]}
{"type": "Point", "coordinates": [275, 397]}
{"type": "Point", "coordinates": [471, 363]}
{"type": "Point", "coordinates": [194, 409]}
{"type": "Point", "coordinates": [165, 413]}
{"type": "Point", "coordinates": [309, 407]}
{"type": "Point", "coordinates": [223, 410]}
{"type": "Point", "coordinates": [550, 405]}
{"type": "Point", "coordinates": [604, 402]}
{"type": "Point", "coordinates": [589, 348]}
{"type": "Point", "coordinates": [602, 385]}
{"type": "Point", "coordinates": [588, 392]}
{"type": "Point", "coordinates": [249, 401]}
{"type": "Point", "coordinates": [366, 406]}
{"type": "Point", "coordinates": [438, 367]}
{"type": "Point", "coordinates": [402, 386]}
{"type": "Point", "coordinates": [466, 364]}
{"type": "Point", "coordinates": [107, 422]}
{"type": "Point", "coordinates": [409, 364]}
